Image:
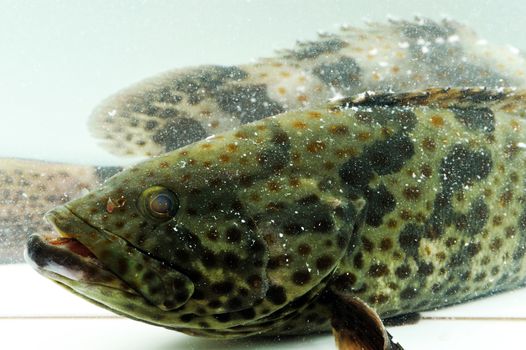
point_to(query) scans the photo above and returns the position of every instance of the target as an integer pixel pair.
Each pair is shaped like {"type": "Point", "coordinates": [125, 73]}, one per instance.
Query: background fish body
{"type": "Point", "coordinates": [408, 201]}
{"type": "Point", "coordinates": [29, 189]}
{"type": "Point", "coordinates": [183, 106]}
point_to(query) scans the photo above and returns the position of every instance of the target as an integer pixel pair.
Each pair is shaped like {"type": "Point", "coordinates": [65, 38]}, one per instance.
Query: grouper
{"type": "Point", "coordinates": [271, 211]}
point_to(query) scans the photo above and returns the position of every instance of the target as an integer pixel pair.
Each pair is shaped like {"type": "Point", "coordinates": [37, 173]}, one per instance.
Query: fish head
{"type": "Point", "coordinates": [182, 241]}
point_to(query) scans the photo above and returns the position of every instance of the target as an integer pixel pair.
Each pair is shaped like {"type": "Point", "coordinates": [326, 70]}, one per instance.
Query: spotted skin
{"type": "Point", "coordinates": [186, 105]}
{"type": "Point", "coordinates": [391, 198]}
{"type": "Point", "coordinates": [31, 188]}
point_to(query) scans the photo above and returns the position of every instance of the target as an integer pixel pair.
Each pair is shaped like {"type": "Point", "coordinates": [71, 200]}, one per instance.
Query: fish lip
{"type": "Point", "coordinates": [61, 265]}
{"type": "Point", "coordinates": [70, 225]}
{"type": "Point", "coordinates": [49, 218]}
{"type": "Point", "coordinates": [58, 234]}
{"type": "Point", "coordinates": [60, 256]}
{"type": "Point", "coordinates": [52, 217]}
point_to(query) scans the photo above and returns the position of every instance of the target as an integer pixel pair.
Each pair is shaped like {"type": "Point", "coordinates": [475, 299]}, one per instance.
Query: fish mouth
{"type": "Point", "coordinates": [63, 258]}
{"type": "Point", "coordinates": [90, 261]}
{"type": "Point", "coordinates": [66, 260]}
{"type": "Point", "coordinates": [69, 256]}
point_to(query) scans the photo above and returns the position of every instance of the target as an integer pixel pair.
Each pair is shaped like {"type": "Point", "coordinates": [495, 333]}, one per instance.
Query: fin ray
{"type": "Point", "coordinates": [358, 326]}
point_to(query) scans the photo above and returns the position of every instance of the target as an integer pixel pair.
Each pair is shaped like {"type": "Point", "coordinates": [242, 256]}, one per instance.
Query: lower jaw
{"type": "Point", "coordinates": [57, 257]}
{"type": "Point", "coordinates": [84, 276]}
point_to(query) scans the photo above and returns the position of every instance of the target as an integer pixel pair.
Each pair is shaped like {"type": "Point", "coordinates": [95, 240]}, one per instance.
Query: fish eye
{"type": "Point", "coordinates": [158, 203]}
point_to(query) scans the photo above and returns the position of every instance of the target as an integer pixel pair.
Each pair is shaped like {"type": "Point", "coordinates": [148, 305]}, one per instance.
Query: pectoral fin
{"type": "Point", "coordinates": [358, 327]}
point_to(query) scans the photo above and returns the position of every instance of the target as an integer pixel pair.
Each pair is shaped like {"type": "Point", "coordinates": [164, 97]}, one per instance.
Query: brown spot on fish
{"type": "Point", "coordinates": [273, 186]}
{"type": "Point", "coordinates": [505, 198]}
{"type": "Point", "coordinates": [429, 144]}
{"type": "Point", "coordinates": [315, 146]}
{"type": "Point", "coordinates": [301, 277]}
{"type": "Point", "coordinates": [412, 193]}
{"type": "Point", "coordinates": [386, 244]}
{"type": "Point", "coordinates": [363, 136]}
{"type": "Point", "coordinates": [324, 262]}
{"type": "Point", "coordinates": [242, 135]}
{"type": "Point", "coordinates": [437, 121]}
{"type": "Point", "coordinates": [314, 115]}
{"type": "Point", "coordinates": [339, 130]}
{"type": "Point", "coordinates": [304, 249]}
{"type": "Point", "coordinates": [232, 148]}
{"type": "Point", "coordinates": [409, 293]}
{"type": "Point", "coordinates": [378, 270]}
{"type": "Point", "coordinates": [367, 244]}
{"type": "Point", "coordinates": [298, 124]}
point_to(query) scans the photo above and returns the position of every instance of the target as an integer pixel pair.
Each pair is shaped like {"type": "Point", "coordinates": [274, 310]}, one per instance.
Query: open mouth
{"type": "Point", "coordinates": [72, 245]}
{"type": "Point", "coordinates": [78, 251]}
{"type": "Point", "coordinates": [61, 257]}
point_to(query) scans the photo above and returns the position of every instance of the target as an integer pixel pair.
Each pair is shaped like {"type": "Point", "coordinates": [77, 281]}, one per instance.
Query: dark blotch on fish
{"type": "Point", "coordinates": [428, 30]}
{"type": "Point", "coordinates": [206, 82]}
{"type": "Point", "coordinates": [380, 202]}
{"type": "Point", "coordinates": [389, 156]}
{"type": "Point", "coordinates": [356, 172]}
{"type": "Point", "coordinates": [344, 73]}
{"type": "Point", "coordinates": [409, 239]}
{"type": "Point", "coordinates": [179, 132]}
{"type": "Point", "coordinates": [248, 103]}
{"type": "Point", "coordinates": [477, 119]}
{"type": "Point", "coordinates": [384, 111]}
{"type": "Point", "coordinates": [521, 247]}
{"type": "Point", "coordinates": [462, 166]}
{"type": "Point", "coordinates": [477, 217]}
{"type": "Point", "coordinates": [276, 295]}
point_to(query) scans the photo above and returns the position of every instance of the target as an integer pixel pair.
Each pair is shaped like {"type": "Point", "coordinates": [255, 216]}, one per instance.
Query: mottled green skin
{"type": "Point", "coordinates": [408, 201]}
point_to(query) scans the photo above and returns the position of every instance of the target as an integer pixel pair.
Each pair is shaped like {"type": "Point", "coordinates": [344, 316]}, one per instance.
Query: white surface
{"type": "Point", "coordinates": [36, 313]}
{"type": "Point", "coordinates": [124, 334]}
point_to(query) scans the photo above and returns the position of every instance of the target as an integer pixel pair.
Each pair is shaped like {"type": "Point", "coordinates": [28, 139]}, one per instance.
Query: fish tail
{"type": "Point", "coordinates": [30, 188]}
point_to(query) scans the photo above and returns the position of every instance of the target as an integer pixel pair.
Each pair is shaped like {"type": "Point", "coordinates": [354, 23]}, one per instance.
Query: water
{"type": "Point", "coordinates": [58, 60]}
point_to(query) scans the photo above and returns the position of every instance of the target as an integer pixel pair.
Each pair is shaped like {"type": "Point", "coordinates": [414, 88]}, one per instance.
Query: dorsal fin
{"type": "Point", "coordinates": [437, 97]}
